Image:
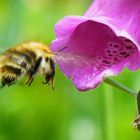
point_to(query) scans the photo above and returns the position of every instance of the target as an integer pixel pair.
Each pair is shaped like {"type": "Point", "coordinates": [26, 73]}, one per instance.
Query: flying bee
{"type": "Point", "coordinates": [29, 59]}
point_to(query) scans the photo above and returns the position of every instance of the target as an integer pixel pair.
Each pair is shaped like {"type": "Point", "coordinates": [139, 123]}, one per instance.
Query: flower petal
{"type": "Point", "coordinates": [97, 47]}
{"type": "Point", "coordinates": [124, 14]}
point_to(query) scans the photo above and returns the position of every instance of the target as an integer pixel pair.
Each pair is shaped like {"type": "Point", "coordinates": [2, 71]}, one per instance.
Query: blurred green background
{"type": "Point", "coordinates": [38, 113]}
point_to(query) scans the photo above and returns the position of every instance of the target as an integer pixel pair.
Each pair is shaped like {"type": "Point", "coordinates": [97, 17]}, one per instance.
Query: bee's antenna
{"type": "Point", "coordinates": [62, 49]}
{"type": "Point", "coordinates": [58, 50]}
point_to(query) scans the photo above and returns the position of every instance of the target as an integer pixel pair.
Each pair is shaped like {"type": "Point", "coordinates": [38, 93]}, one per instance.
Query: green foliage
{"type": "Point", "coordinates": [38, 113]}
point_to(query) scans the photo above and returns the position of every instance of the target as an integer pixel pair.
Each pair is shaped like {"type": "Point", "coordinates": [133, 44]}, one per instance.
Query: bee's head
{"type": "Point", "coordinates": [49, 71]}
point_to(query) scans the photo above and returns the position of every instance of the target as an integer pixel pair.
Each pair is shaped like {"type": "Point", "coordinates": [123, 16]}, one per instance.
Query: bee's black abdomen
{"type": "Point", "coordinates": [8, 81]}
{"type": "Point", "coordinates": [22, 59]}
{"type": "Point", "coordinates": [31, 55]}
{"type": "Point", "coordinates": [11, 69]}
{"type": "Point", "coordinates": [10, 75]}
{"type": "Point", "coordinates": [26, 55]}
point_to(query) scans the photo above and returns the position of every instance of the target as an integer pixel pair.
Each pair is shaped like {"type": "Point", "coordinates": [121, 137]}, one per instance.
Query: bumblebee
{"type": "Point", "coordinates": [28, 59]}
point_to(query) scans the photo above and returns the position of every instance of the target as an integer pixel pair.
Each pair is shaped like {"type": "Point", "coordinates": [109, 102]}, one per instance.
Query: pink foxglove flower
{"type": "Point", "coordinates": [100, 43]}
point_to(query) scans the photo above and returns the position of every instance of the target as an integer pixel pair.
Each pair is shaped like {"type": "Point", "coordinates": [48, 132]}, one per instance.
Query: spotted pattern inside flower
{"type": "Point", "coordinates": [115, 53]}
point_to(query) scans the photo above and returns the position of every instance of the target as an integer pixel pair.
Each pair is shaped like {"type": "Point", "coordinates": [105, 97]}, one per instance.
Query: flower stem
{"type": "Point", "coordinates": [120, 86]}
{"type": "Point", "coordinates": [109, 112]}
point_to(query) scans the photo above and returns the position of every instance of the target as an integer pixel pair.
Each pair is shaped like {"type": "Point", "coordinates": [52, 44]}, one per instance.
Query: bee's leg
{"type": "Point", "coordinates": [33, 71]}
{"type": "Point", "coordinates": [2, 84]}
{"type": "Point", "coordinates": [52, 79]}
{"type": "Point", "coordinates": [29, 80]}
{"type": "Point", "coordinates": [49, 79]}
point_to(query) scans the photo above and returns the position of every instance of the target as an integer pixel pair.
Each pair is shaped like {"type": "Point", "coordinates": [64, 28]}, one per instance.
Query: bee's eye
{"type": "Point", "coordinates": [46, 59]}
